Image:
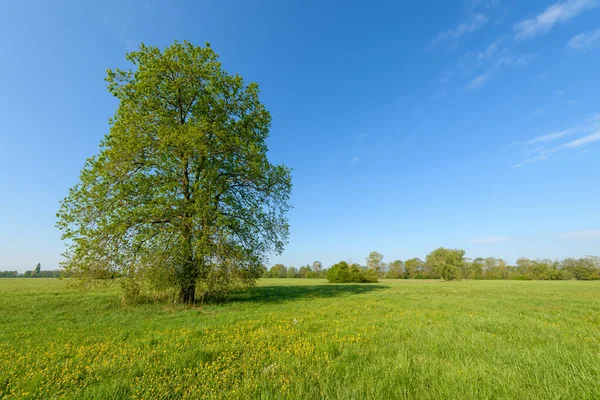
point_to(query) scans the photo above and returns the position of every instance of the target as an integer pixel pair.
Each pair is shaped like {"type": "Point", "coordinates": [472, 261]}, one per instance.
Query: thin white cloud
{"type": "Point", "coordinates": [480, 80]}
{"type": "Point", "coordinates": [540, 157]}
{"type": "Point", "coordinates": [492, 239]}
{"type": "Point", "coordinates": [552, 15]}
{"type": "Point", "coordinates": [475, 22]}
{"type": "Point", "coordinates": [519, 61]}
{"type": "Point", "coordinates": [591, 124]}
{"type": "Point", "coordinates": [594, 137]}
{"type": "Point", "coordinates": [506, 60]}
{"type": "Point", "coordinates": [354, 160]}
{"type": "Point", "coordinates": [591, 127]}
{"type": "Point", "coordinates": [591, 234]}
{"type": "Point", "coordinates": [490, 51]}
{"type": "Point", "coordinates": [585, 41]}
{"type": "Point", "coordinates": [552, 136]}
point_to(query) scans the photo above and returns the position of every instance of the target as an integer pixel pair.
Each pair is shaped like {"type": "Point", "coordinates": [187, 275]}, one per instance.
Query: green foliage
{"type": "Point", "coordinates": [343, 272]}
{"type": "Point", "coordinates": [278, 271]}
{"type": "Point", "coordinates": [413, 268]}
{"type": "Point", "coordinates": [587, 268]}
{"type": "Point", "coordinates": [36, 271]}
{"type": "Point", "coordinates": [395, 270]}
{"type": "Point", "coordinates": [339, 273]}
{"type": "Point", "coordinates": [303, 271]}
{"type": "Point", "coordinates": [375, 262]}
{"type": "Point", "coordinates": [446, 262]}
{"type": "Point", "coordinates": [182, 187]}
{"type": "Point", "coordinates": [317, 266]}
{"type": "Point", "coordinates": [31, 274]}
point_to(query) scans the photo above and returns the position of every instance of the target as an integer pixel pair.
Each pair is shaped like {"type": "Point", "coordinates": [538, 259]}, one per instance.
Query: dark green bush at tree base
{"type": "Point", "coordinates": [342, 272]}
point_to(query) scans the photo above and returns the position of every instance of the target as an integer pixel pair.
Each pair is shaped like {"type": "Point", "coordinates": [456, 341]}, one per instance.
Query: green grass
{"type": "Point", "coordinates": [306, 339]}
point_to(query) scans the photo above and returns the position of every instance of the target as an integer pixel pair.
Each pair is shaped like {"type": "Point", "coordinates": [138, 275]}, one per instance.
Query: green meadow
{"type": "Point", "coordinates": [306, 339]}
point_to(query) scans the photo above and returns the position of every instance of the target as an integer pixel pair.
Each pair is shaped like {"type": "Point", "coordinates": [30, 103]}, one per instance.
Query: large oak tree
{"type": "Point", "coordinates": [182, 189]}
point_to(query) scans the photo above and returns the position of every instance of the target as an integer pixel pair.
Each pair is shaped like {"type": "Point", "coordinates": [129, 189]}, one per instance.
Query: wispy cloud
{"type": "Point", "coordinates": [594, 137]}
{"type": "Point", "coordinates": [554, 14]}
{"type": "Point", "coordinates": [492, 239]}
{"type": "Point", "coordinates": [591, 127]}
{"type": "Point", "coordinates": [552, 136]}
{"type": "Point", "coordinates": [480, 80]}
{"type": "Point", "coordinates": [354, 160]}
{"type": "Point", "coordinates": [490, 51]}
{"type": "Point", "coordinates": [475, 22]}
{"type": "Point", "coordinates": [495, 64]}
{"type": "Point", "coordinates": [591, 124]}
{"type": "Point", "coordinates": [592, 234]}
{"type": "Point", "coordinates": [585, 41]}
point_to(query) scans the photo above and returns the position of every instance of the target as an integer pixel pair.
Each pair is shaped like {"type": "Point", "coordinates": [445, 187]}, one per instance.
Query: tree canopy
{"type": "Point", "coordinates": [446, 262]}
{"type": "Point", "coordinates": [343, 272]}
{"type": "Point", "coordinates": [182, 192]}
{"type": "Point", "coordinates": [375, 262]}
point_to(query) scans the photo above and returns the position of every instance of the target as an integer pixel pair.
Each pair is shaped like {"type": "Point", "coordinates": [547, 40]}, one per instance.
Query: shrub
{"type": "Point", "coordinates": [342, 272]}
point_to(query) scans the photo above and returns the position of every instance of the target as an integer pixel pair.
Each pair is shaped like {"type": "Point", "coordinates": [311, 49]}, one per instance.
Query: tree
{"type": "Point", "coordinates": [339, 273]}
{"type": "Point", "coordinates": [317, 266]}
{"type": "Point", "coordinates": [303, 271]}
{"type": "Point", "coordinates": [292, 272]}
{"type": "Point", "coordinates": [278, 271]}
{"type": "Point", "coordinates": [581, 268]}
{"type": "Point", "coordinates": [182, 190]}
{"type": "Point", "coordinates": [375, 262]}
{"type": "Point", "coordinates": [446, 262]}
{"type": "Point", "coordinates": [35, 273]}
{"type": "Point", "coordinates": [476, 268]}
{"type": "Point", "coordinates": [413, 268]}
{"type": "Point", "coordinates": [343, 272]}
{"type": "Point", "coordinates": [395, 270]}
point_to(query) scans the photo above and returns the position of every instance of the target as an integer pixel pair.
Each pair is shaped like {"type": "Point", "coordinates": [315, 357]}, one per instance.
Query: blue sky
{"type": "Point", "coordinates": [408, 125]}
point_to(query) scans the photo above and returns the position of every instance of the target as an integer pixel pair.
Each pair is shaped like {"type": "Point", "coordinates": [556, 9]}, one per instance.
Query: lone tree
{"type": "Point", "coordinates": [37, 269]}
{"type": "Point", "coordinates": [182, 191]}
{"type": "Point", "coordinates": [446, 262]}
{"type": "Point", "coordinates": [375, 262]}
{"type": "Point", "coordinates": [317, 266]}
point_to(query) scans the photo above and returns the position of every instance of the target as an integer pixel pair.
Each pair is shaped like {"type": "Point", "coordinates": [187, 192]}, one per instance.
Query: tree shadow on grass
{"type": "Point", "coordinates": [280, 294]}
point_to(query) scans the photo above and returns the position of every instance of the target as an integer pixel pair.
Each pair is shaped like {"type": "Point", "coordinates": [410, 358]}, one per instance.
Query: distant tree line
{"type": "Point", "coordinates": [307, 271]}
{"type": "Point", "coordinates": [35, 273]}
{"type": "Point", "coordinates": [448, 264]}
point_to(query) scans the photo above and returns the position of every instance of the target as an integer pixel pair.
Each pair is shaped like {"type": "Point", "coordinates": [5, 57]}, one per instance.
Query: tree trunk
{"type": "Point", "coordinates": [187, 294]}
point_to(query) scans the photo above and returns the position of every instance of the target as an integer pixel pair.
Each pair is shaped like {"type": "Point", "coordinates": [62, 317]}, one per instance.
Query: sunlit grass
{"type": "Point", "coordinates": [306, 339]}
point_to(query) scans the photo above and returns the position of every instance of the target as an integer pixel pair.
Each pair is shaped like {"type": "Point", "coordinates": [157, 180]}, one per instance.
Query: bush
{"type": "Point", "coordinates": [344, 273]}
{"type": "Point", "coordinates": [312, 274]}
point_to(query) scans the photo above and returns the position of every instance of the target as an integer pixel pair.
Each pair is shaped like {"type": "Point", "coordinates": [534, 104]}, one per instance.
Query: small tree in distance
{"type": "Point", "coordinates": [317, 266]}
{"type": "Point", "coordinates": [343, 272]}
{"type": "Point", "coordinates": [395, 270]}
{"type": "Point", "coordinates": [375, 262]}
{"type": "Point", "coordinates": [446, 262]}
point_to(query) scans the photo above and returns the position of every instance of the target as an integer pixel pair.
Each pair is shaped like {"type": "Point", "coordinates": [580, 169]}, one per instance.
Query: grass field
{"type": "Point", "coordinates": [306, 339]}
